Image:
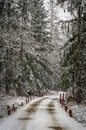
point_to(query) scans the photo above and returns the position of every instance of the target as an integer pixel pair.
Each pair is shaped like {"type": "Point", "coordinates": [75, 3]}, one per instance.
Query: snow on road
{"type": "Point", "coordinates": [41, 119]}
{"type": "Point", "coordinates": [41, 114]}
{"type": "Point", "coordinates": [65, 121]}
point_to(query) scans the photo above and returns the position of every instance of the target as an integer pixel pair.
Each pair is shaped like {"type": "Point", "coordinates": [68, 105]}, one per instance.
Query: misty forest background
{"type": "Point", "coordinates": [38, 50]}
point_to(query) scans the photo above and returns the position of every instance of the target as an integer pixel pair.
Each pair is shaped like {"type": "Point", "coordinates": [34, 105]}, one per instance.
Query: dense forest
{"type": "Point", "coordinates": [73, 61]}
{"type": "Point", "coordinates": [31, 56]}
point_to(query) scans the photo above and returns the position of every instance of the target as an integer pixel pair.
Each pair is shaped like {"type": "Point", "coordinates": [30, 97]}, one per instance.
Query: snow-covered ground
{"type": "Point", "coordinates": [41, 114]}
{"type": "Point", "coordinates": [9, 101]}
{"type": "Point", "coordinates": [79, 113]}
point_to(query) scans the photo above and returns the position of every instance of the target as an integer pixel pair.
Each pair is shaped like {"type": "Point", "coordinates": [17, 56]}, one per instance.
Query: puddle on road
{"type": "Point", "coordinates": [33, 107]}
{"type": "Point", "coordinates": [24, 118]}
{"type": "Point", "coordinates": [51, 108]}
{"type": "Point", "coordinates": [30, 111]}
{"type": "Point", "coordinates": [56, 127]}
{"type": "Point", "coordinates": [27, 115]}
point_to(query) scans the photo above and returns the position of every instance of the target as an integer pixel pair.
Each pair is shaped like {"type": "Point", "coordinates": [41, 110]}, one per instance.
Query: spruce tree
{"type": "Point", "coordinates": [20, 59]}
{"type": "Point", "coordinates": [38, 21]}
{"type": "Point", "coordinates": [76, 43]}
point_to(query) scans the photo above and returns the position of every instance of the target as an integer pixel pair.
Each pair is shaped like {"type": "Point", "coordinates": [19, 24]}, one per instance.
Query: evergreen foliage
{"type": "Point", "coordinates": [38, 21]}
{"type": "Point", "coordinates": [23, 64]}
{"type": "Point", "coordinates": [73, 62]}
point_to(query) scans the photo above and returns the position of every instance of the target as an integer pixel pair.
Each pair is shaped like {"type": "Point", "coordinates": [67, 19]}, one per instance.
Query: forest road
{"type": "Point", "coordinates": [41, 114]}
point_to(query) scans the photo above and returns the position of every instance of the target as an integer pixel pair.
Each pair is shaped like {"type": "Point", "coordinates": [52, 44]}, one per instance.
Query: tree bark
{"type": "Point", "coordinates": [79, 48]}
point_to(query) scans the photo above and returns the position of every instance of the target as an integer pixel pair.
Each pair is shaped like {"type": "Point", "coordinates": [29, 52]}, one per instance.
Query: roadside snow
{"type": "Point", "coordinates": [79, 113]}
{"type": "Point", "coordinates": [11, 122]}
{"type": "Point", "coordinates": [65, 121]}
{"type": "Point", "coordinates": [41, 119]}
{"type": "Point", "coordinates": [9, 100]}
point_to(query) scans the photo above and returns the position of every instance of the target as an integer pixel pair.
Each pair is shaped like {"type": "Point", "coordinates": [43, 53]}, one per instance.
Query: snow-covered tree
{"type": "Point", "coordinates": [38, 21]}
{"type": "Point", "coordinates": [75, 46]}
{"type": "Point", "coordinates": [22, 62]}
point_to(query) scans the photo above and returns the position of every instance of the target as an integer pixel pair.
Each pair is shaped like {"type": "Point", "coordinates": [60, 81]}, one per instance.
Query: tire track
{"type": "Point", "coordinates": [52, 110]}
{"type": "Point", "coordinates": [27, 115]}
{"type": "Point", "coordinates": [41, 118]}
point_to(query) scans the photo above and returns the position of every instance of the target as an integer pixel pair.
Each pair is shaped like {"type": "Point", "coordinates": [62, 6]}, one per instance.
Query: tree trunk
{"type": "Point", "coordinates": [79, 48]}
{"type": "Point", "coordinates": [79, 64]}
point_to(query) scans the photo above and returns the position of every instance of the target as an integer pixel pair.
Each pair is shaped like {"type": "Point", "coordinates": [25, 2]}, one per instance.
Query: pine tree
{"type": "Point", "coordinates": [77, 41]}
{"type": "Point", "coordinates": [8, 14]}
{"type": "Point", "coordinates": [38, 21]}
{"type": "Point", "coordinates": [2, 2]}
{"type": "Point", "coordinates": [23, 64]}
